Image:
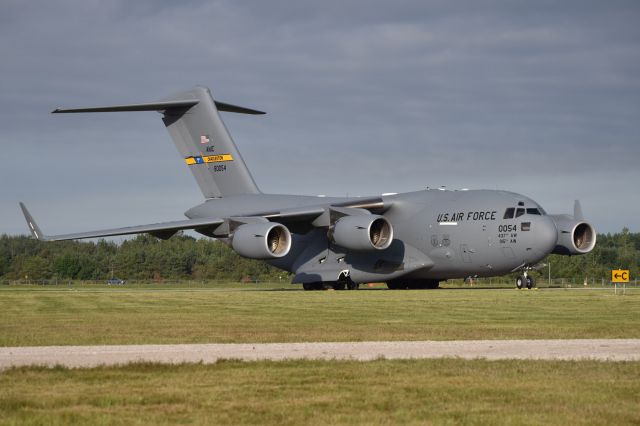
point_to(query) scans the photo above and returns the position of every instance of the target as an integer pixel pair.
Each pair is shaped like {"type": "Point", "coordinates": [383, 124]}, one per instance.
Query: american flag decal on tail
{"type": "Point", "coordinates": [204, 139]}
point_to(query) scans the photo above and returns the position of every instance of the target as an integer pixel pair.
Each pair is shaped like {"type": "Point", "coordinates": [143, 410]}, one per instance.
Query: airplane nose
{"type": "Point", "coordinates": [546, 235]}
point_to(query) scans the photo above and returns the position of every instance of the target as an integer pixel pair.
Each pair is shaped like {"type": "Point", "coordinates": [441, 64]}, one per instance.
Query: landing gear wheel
{"type": "Point", "coordinates": [430, 284]}
{"type": "Point", "coordinates": [338, 286]}
{"type": "Point", "coordinates": [520, 282]}
{"type": "Point", "coordinates": [397, 285]}
{"type": "Point", "coordinates": [345, 281]}
{"type": "Point", "coordinates": [313, 286]}
{"type": "Point", "coordinates": [530, 282]}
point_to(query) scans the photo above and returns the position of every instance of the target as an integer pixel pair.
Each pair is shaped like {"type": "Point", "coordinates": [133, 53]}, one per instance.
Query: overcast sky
{"type": "Point", "coordinates": [363, 97]}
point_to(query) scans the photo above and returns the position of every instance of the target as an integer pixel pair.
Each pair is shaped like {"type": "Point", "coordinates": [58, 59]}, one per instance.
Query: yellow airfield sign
{"type": "Point", "coordinates": [620, 276]}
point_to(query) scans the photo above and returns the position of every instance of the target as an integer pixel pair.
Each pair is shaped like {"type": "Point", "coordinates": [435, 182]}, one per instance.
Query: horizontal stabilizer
{"type": "Point", "coordinates": [152, 106]}
{"type": "Point", "coordinates": [181, 104]}
{"type": "Point", "coordinates": [238, 109]}
{"type": "Point", "coordinates": [162, 230]}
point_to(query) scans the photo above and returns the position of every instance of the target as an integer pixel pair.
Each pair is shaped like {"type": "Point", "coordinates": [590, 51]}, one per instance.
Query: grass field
{"type": "Point", "coordinates": [88, 315]}
{"type": "Point", "coordinates": [446, 391]}
{"type": "Point", "coordinates": [313, 392]}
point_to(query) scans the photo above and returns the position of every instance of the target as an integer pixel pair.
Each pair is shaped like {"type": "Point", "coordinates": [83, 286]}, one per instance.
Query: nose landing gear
{"type": "Point", "coordinates": [525, 280]}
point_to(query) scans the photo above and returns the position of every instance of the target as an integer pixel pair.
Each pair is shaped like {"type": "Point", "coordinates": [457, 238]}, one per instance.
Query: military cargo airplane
{"type": "Point", "coordinates": [412, 240]}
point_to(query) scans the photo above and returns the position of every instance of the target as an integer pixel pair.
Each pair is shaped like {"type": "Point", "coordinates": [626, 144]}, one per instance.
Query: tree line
{"type": "Point", "coordinates": [184, 257]}
{"type": "Point", "coordinates": [612, 251]}
{"type": "Point", "coordinates": [142, 258]}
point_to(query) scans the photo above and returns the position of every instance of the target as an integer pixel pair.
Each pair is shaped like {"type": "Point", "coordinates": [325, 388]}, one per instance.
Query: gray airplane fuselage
{"type": "Point", "coordinates": [463, 233]}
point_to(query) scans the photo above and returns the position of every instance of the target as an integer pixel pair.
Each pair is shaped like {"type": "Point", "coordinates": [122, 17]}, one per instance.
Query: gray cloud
{"type": "Point", "coordinates": [541, 98]}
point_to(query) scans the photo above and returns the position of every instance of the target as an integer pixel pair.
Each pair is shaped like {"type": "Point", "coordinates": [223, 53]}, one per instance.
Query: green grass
{"type": "Point", "coordinates": [148, 285]}
{"type": "Point", "coordinates": [120, 315]}
{"type": "Point", "coordinates": [446, 391]}
{"type": "Point", "coordinates": [320, 392]}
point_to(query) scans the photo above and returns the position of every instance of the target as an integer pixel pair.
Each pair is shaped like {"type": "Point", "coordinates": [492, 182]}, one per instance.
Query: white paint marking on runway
{"type": "Point", "coordinates": [91, 356]}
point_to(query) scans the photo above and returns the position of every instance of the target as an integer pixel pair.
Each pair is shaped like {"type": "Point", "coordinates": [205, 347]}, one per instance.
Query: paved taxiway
{"type": "Point", "coordinates": [90, 356]}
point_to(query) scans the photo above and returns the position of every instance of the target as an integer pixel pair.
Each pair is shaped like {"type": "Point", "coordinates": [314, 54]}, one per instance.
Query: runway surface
{"type": "Point", "coordinates": [91, 356]}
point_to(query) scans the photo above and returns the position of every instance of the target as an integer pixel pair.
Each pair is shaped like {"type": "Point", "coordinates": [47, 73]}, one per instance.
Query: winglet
{"type": "Point", "coordinates": [577, 211]}
{"type": "Point", "coordinates": [33, 226]}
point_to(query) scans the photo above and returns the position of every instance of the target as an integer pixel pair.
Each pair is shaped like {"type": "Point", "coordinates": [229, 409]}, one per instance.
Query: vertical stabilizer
{"type": "Point", "coordinates": [206, 145]}
{"type": "Point", "coordinates": [201, 137]}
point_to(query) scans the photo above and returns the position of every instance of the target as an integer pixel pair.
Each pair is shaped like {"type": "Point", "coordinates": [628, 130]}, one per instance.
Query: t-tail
{"type": "Point", "coordinates": [201, 138]}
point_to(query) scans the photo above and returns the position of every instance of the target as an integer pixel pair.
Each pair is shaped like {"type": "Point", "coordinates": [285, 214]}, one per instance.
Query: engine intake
{"type": "Point", "coordinates": [362, 232]}
{"type": "Point", "coordinates": [574, 236]}
{"type": "Point", "coordinates": [261, 240]}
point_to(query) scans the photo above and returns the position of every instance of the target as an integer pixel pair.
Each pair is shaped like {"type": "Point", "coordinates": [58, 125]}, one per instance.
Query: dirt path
{"type": "Point", "coordinates": [90, 356]}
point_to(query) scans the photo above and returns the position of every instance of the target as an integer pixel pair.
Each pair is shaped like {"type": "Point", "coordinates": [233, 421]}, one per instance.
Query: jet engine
{"type": "Point", "coordinates": [574, 236]}
{"type": "Point", "coordinates": [362, 232]}
{"type": "Point", "coordinates": [261, 240]}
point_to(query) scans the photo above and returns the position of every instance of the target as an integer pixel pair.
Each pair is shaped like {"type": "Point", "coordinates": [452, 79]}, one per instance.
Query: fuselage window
{"type": "Point", "coordinates": [533, 211]}
{"type": "Point", "coordinates": [509, 213]}
{"type": "Point", "coordinates": [519, 212]}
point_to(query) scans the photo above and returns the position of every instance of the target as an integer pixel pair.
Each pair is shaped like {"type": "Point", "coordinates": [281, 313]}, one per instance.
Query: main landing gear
{"type": "Point", "coordinates": [412, 284]}
{"type": "Point", "coordinates": [525, 280]}
{"type": "Point", "coordinates": [327, 285]}
{"type": "Point", "coordinates": [344, 282]}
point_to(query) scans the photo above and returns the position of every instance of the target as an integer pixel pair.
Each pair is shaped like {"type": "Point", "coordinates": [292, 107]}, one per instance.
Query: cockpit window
{"type": "Point", "coordinates": [519, 212]}
{"type": "Point", "coordinates": [534, 211]}
{"type": "Point", "coordinates": [508, 214]}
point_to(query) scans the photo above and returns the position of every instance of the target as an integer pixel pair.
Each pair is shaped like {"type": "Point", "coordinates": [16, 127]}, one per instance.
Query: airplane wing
{"type": "Point", "coordinates": [161, 230]}
{"type": "Point", "coordinates": [300, 219]}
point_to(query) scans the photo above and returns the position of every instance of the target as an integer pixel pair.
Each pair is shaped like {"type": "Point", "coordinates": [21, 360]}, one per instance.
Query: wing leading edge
{"type": "Point", "coordinates": [162, 230]}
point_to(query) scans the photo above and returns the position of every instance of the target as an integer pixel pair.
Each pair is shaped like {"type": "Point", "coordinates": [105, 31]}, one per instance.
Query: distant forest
{"type": "Point", "coordinates": [184, 257]}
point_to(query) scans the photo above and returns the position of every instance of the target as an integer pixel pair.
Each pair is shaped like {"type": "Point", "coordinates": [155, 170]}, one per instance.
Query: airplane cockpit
{"type": "Point", "coordinates": [514, 212]}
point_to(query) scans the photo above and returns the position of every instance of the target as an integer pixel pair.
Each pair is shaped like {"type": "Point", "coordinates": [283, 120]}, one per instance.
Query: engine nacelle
{"type": "Point", "coordinates": [574, 236]}
{"type": "Point", "coordinates": [261, 240]}
{"type": "Point", "coordinates": [362, 232]}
